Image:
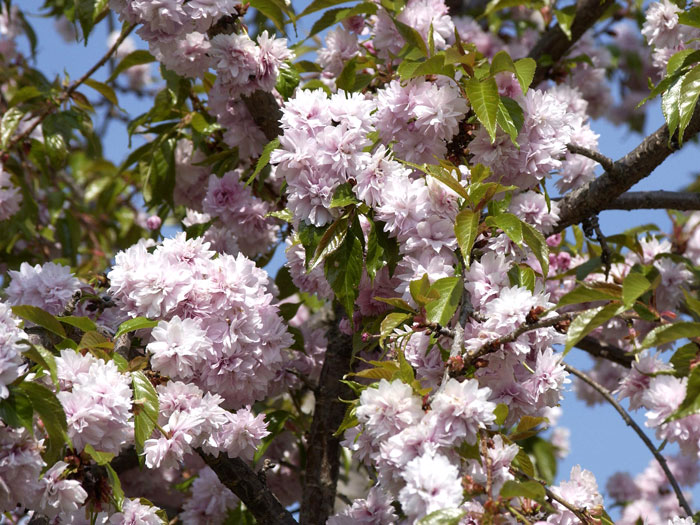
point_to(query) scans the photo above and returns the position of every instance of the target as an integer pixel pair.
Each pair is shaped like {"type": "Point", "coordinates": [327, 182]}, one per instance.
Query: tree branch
{"type": "Point", "coordinates": [660, 199]}
{"type": "Point", "coordinates": [245, 483]}
{"type": "Point", "coordinates": [598, 194]}
{"type": "Point", "coordinates": [65, 95]}
{"type": "Point", "coordinates": [597, 156]}
{"type": "Point", "coordinates": [554, 44]}
{"type": "Point", "coordinates": [604, 350]}
{"type": "Point", "coordinates": [323, 449]}
{"type": "Point", "coordinates": [631, 423]}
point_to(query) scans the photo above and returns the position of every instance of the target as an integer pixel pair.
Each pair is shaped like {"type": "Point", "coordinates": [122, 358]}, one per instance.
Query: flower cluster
{"type": "Point", "coordinates": [219, 328]}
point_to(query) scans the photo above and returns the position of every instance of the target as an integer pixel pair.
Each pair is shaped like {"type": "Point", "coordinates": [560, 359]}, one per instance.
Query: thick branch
{"type": "Point", "coordinates": [265, 112]}
{"type": "Point", "coordinates": [323, 449]}
{"type": "Point", "coordinates": [555, 44]}
{"type": "Point", "coordinates": [631, 423]}
{"type": "Point", "coordinates": [652, 200]}
{"type": "Point", "coordinates": [611, 353]}
{"type": "Point", "coordinates": [245, 483]}
{"type": "Point", "coordinates": [598, 194]}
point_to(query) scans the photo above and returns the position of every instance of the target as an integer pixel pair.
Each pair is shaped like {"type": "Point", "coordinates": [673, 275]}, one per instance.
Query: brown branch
{"type": "Point", "coordinates": [597, 156]}
{"type": "Point", "coordinates": [631, 423]}
{"type": "Point", "coordinates": [323, 448]}
{"type": "Point", "coordinates": [65, 95]}
{"type": "Point", "coordinates": [494, 345]}
{"type": "Point", "coordinates": [236, 475]}
{"type": "Point", "coordinates": [598, 194]}
{"type": "Point", "coordinates": [660, 199]}
{"type": "Point", "coordinates": [265, 112]}
{"type": "Point", "coordinates": [604, 350]}
{"type": "Point", "coordinates": [554, 44]}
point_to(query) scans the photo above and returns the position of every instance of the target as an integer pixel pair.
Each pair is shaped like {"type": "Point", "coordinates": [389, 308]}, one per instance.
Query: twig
{"type": "Point", "coordinates": [597, 156]}
{"type": "Point", "coordinates": [65, 95]}
{"type": "Point", "coordinates": [604, 350]}
{"type": "Point", "coordinates": [494, 345]}
{"type": "Point", "coordinates": [580, 514]}
{"type": "Point", "coordinates": [630, 422]}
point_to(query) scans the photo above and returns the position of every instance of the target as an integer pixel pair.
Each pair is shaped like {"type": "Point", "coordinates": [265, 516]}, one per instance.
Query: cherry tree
{"type": "Point", "coordinates": [430, 173]}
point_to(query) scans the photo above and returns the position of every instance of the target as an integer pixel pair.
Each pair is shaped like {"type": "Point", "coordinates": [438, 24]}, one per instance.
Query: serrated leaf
{"type": "Point", "coordinates": [565, 17]}
{"type": "Point", "coordinates": [349, 420]}
{"type": "Point", "coordinates": [396, 302]}
{"type": "Point", "coordinates": [288, 80]}
{"type": "Point", "coordinates": [101, 458]}
{"type": "Point", "coordinates": [405, 372]}
{"type": "Point", "coordinates": [682, 358]}
{"type": "Point", "coordinates": [525, 72]}
{"type": "Point", "coordinates": [545, 459]}
{"type": "Point", "coordinates": [466, 231]}
{"type": "Point", "coordinates": [691, 17]}
{"type": "Point", "coordinates": [330, 241]}
{"type": "Point", "coordinates": [264, 159]}
{"type": "Point", "coordinates": [146, 416]}
{"type": "Point", "coordinates": [103, 89]}
{"type": "Point", "coordinates": [671, 332]}
{"type": "Point", "coordinates": [83, 323]}
{"type": "Point", "coordinates": [511, 225]}
{"type": "Point", "coordinates": [8, 125]}
{"type": "Point", "coordinates": [584, 294]}
{"type": "Point", "coordinates": [117, 492]}
{"type": "Point", "coordinates": [510, 118]}
{"type": "Point", "coordinates": [87, 13]}
{"type": "Point", "coordinates": [137, 323]}
{"type": "Point", "coordinates": [411, 36]}
{"type": "Point", "coordinates": [200, 124]}
{"type": "Point", "coordinates": [528, 422]}
{"type": "Point", "coordinates": [522, 489]}
{"type": "Point", "coordinates": [537, 243]}
{"type": "Point", "coordinates": [389, 323]}
{"type": "Point", "coordinates": [45, 359]}
{"type": "Point", "coordinates": [443, 517]}
{"type": "Point", "coordinates": [634, 285]}
{"type": "Point", "coordinates": [343, 196]}
{"type": "Point", "coordinates": [23, 95]}
{"type": "Point", "coordinates": [93, 339]}
{"type": "Point", "coordinates": [523, 462]}
{"type": "Point", "coordinates": [39, 317]}
{"type": "Point", "coordinates": [333, 16]}
{"type": "Point", "coordinates": [272, 11]}
{"type": "Point", "coordinates": [343, 270]}
{"type": "Point", "coordinates": [135, 58]}
{"type": "Point", "coordinates": [690, 91]}
{"type": "Point", "coordinates": [318, 5]}
{"type": "Point", "coordinates": [670, 105]}
{"type": "Point", "coordinates": [420, 290]}
{"type": "Point", "coordinates": [376, 373]}
{"type": "Point", "coordinates": [587, 321]}
{"type": "Point", "coordinates": [49, 409]}
{"type": "Point", "coordinates": [374, 260]}
{"type": "Point", "coordinates": [484, 99]}
{"type": "Point", "coordinates": [449, 290]}
{"type": "Point", "coordinates": [443, 176]}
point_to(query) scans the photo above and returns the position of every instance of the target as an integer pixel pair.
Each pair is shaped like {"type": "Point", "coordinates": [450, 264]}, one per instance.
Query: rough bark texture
{"type": "Point", "coordinates": [265, 112]}
{"type": "Point", "coordinates": [652, 200]}
{"type": "Point", "coordinates": [323, 450]}
{"type": "Point", "coordinates": [598, 194]}
{"type": "Point", "coordinates": [250, 488]}
{"type": "Point", "coordinates": [611, 353]}
{"type": "Point", "coordinates": [555, 44]}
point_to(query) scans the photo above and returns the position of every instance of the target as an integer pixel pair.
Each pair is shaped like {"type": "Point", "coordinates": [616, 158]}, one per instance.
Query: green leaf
{"type": "Point", "coordinates": [374, 260]}
{"type": "Point", "coordinates": [690, 91]}
{"type": "Point", "coordinates": [93, 339]}
{"type": "Point", "coordinates": [16, 410]}
{"type": "Point", "coordinates": [484, 99]}
{"type": "Point", "coordinates": [522, 489]}
{"type": "Point", "coordinates": [83, 323]}
{"type": "Point", "coordinates": [146, 415]}
{"type": "Point", "coordinates": [523, 462]}
{"type": "Point", "coordinates": [525, 72]}
{"type": "Point", "coordinates": [466, 231]}
{"type": "Point", "coordinates": [24, 94]}
{"type": "Point", "coordinates": [585, 294]}
{"type": "Point", "coordinates": [343, 271]}
{"type": "Point", "coordinates": [39, 317]}
{"type": "Point", "coordinates": [411, 36]}
{"type": "Point", "coordinates": [443, 517]}
{"type": "Point", "coordinates": [135, 58]}
{"type": "Point", "coordinates": [537, 243]}
{"type": "Point", "coordinates": [264, 159]}
{"type": "Point", "coordinates": [343, 196]}
{"type": "Point", "coordinates": [405, 372]}
{"type": "Point", "coordinates": [87, 13]}
{"type": "Point", "coordinates": [200, 124]}
{"type": "Point", "coordinates": [511, 225]}
{"type": "Point", "coordinates": [501, 413]}
{"type": "Point", "coordinates": [333, 16]}
{"type": "Point", "coordinates": [8, 125]}
{"type": "Point", "coordinates": [565, 17]}
{"type": "Point", "coordinates": [510, 118]}
{"type": "Point", "coordinates": [671, 332]}
{"type": "Point", "coordinates": [331, 240]}
{"type": "Point", "coordinates": [691, 403]}
{"type": "Point", "coordinates": [435, 65]}
{"type": "Point", "coordinates": [45, 359]}
{"type": "Point", "coordinates": [421, 292]}
{"type": "Point", "coordinates": [272, 11]}
{"type": "Point", "coordinates": [545, 459]}
{"type": "Point", "coordinates": [442, 309]}
{"type": "Point", "coordinates": [318, 5]}
{"type": "Point", "coordinates": [137, 323]}
{"type": "Point", "coordinates": [49, 409]}
{"type": "Point", "coordinates": [634, 285]}
{"type": "Point", "coordinates": [287, 80]}
{"type": "Point", "coordinates": [691, 17]}
{"type": "Point", "coordinates": [529, 422]}
{"type": "Point", "coordinates": [682, 358]}
{"type": "Point", "coordinates": [105, 90]}
{"type": "Point", "coordinates": [670, 105]}
{"type": "Point", "coordinates": [117, 492]}
{"type": "Point", "coordinates": [101, 458]}
{"type": "Point", "coordinates": [587, 321]}
{"type": "Point", "coordinates": [346, 79]}
{"type": "Point", "coordinates": [389, 323]}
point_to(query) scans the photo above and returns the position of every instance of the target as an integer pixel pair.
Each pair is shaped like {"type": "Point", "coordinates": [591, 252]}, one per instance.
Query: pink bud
{"type": "Point", "coordinates": [153, 222]}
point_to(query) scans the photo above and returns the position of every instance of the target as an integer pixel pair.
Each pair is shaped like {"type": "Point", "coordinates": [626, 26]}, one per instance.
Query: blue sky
{"type": "Point", "coordinates": [600, 441]}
